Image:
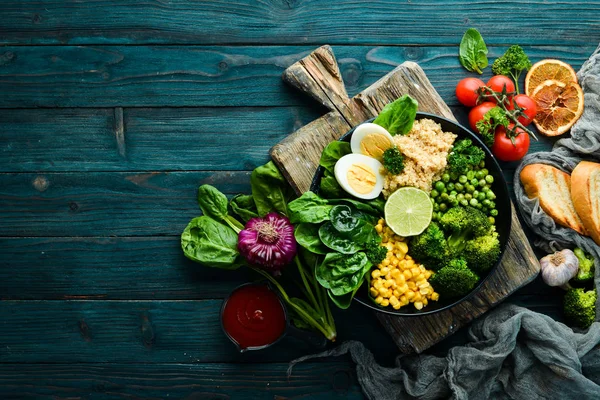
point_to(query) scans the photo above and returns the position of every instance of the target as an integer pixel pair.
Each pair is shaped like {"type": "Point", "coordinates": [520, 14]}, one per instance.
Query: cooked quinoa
{"type": "Point", "coordinates": [425, 149]}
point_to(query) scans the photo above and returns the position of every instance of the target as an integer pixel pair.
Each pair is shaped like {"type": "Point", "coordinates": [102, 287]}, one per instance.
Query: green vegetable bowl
{"type": "Point", "coordinates": [503, 221]}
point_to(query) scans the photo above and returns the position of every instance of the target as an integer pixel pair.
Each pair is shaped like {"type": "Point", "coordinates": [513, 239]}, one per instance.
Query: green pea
{"type": "Point", "coordinates": [450, 186]}
{"type": "Point", "coordinates": [464, 202]}
{"type": "Point", "coordinates": [475, 182]}
{"type": "Point", "coordinates": [479, 174]}
{"type": "Point", "coordinates": [434, 216]}
{"type": "Point", "coordinates": [478, 205]}
{"type": "Point", "coordinates": [444, 196]}
{"type": "Point", "coordinates": [485, 189]}
{"type": "Point", "coordinates": [490, 195]}
{"type": "Point", "coordinates": [492, 220]}
{"type": "Point", "coordinates": [485, 171]}
{"type": "Point", "coordinates": [446, 178]}
{"type": "Point", "coordinates": [484, 208]}
{"type": "Point", "coordinates": [492, 204]}
{"type": "Point", "coordinates": [459, 187]}
{"type": "Point", "coordinates": [481, 196]}
{"type": "Point", "coordinates": [482, 183]}
{"type": "Point", "coordinates": [443, 207]}
{"type": "Point", "coordinates": [470, 188]}
{"type": "Point", "coordinates": [486, 203]}
{"type": "Point", "coordinates": [473, 202]}
{"type": "Point", "coordinates": [452, 197]}
{"type": "Point", "coordinates": [468, 196]}
{"type": "Point", "coordinates": [436, 207]}
{"type": "Point", "coordinates": [453, 193]}
{"type": "Point", "coordinates": [434, 193]}
{"type": "Point", "coordinates": [489, 179]}
{"type": "Point", "coordinates": [461, 196]}
{"type": "Point", "coordinates": [470, 175]}
{"type": "Point", "coordinates": [439, 186]}
{"type": "Point", "coordinates": [454, 203]}
{"type": "Point", "coordinates": [475, 193]}
{"type": "Point", "coordinates": [440, 214]}
{"type": "Point", "coordinates": [463, 179]}
{"type": "Point", "coordinates": [482, 164]}
{"type": "Point", "coordinates": [494, 212]}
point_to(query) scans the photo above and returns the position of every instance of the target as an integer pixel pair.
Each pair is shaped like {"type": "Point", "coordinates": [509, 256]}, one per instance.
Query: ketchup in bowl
{"type": "Point", "coordinates": [253, 317]}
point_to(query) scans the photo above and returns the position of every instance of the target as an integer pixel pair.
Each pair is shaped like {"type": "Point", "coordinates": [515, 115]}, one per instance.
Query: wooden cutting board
{"type": "Point", "coordinates": [298, 156]}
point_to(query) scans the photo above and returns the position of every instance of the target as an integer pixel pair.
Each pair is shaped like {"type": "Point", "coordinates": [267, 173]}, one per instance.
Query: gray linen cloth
{"type": "Point", "coordinates": [513, 352]}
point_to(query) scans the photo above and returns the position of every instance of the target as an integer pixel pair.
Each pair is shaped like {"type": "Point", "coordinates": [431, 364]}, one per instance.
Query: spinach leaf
{"type": "Point", "coordinates": [212, 202]}
{"type": "Point", "coordinates": [211, 243]}
{"type": "Point", "coordinates": [472, 51]}
{"type": "Point", "coordinates": [342, 274]}
{"type": "Point", "coordinates": [332, 153]}
{"type": "Point", "coordinates": [307, 236]}
{"type": "Point", "coordinates": [330, 188]}
{"type": "Point", "coordinates": [398, 117]}
{"type": "Point", "coordinates": [309, 208]}
{"type": "Point", "coordinates": [372, 207]}
{"type": "Point", "coordinates": [345, 300]}
{"type": "Point", "coordinates": [244, 207]}
{"type": "Point", "coordinates": [270, 190]}
{"type": "Point", "coordinates": [344, 219]}
{"type": "Point", "coordinates": [337, 241]}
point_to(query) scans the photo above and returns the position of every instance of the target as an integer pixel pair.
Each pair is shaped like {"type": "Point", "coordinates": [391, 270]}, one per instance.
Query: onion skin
{"type": "Point", "coordinates": [268, 243]}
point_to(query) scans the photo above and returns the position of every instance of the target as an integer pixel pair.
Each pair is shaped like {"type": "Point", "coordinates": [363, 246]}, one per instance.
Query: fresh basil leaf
{"type": "Point", "coordinates": [330, 188]}
{"type": "Point", "coordinates": [212, 202]}
{"type": "Point", "coordinates": [309, 208]}
{"type": "Point", "coordinates": [398, 117]}
{"type": "Point", "coordinates": [244, 207]}
{"type": "Point", "coordinates": [473, 51]}
{"type": "Point", "coordinates": [307, 236]}
{"type": "Point", "coordinates": [270, 190]}
{"type": "Point", "coordinates": [332, 153]}
{"type": "Point", "coordinates": [211, 243]}
{"type": "Point", "coordinates": [337, 241]}
{"type": "Point", "coordinates": [342, 274]}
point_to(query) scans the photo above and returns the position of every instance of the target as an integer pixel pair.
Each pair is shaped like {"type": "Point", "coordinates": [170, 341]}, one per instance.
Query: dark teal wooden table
{"type": "Point", "coordinates": [113, 112]}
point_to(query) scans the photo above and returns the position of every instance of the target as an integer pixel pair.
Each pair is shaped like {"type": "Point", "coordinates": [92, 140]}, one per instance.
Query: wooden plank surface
{"type": "Point", "coordinates": [318, 75]}
{"type": "Point", "coordinates": [327, 380]}
{"type": "Point", "coordinates": [291, 22]}
{"type": "Point", "coordinates": [192, 76]}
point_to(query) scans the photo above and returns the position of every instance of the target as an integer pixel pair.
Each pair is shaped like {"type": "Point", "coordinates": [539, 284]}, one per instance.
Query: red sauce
{"type": "Point", "coordinates": [253, 316]}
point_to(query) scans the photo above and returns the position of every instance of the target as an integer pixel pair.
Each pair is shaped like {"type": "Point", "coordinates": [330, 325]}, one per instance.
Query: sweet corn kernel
{"type": "Point", "coordinates": [403, 246]}
{"type": "Point", "coordinates": [435, 296]}
{"type": "Point", "coordinates": [378, 228]}
{"type": "Point", "coordinates": [411, 285]}
{"type": "Point", "coordinates": [396, 293]}
{"type": "Point", "coordinates": [375, 274]}
{"type": "Point", "coordinates": [415, 271]}
{"type": "Point", "coordinates": [381, 221]}
{"type": "Point", "coordinates": [388, 283]}
{"type": "Point", "coordinates": [378, 283]}
{"type": "Point", "coordinates": [409, 294]}
{"type": "Point", "coordinates": [424, 291]}
{"type": "Point", "coordinates": [374, 292]}
{"type": "Point", "coordinates": [424, 301]}
{"type": "Point", "coordinates": [418, 305]}
{"type": "Point", "coordinates": [408, 257]}
{"type": "Point", "coordinates": [427, 274]}
{"type": "Point", "coordinates": [383, 291]}
{"type": "Point", "coordinates": [403, 298]}
{"type": "Point", "coordinates": [407, 274]}
{"type": "Point", "coordinates": [384, 270]}
{"type": "Point", "coordinates": [385, 262]}
{"type": "Point", "coordinates": [386, 302]}
{"type": "Point", "coordinates": [378, 299]}
{"type": "Point", "coordinates": [400, 278]}
{"type": "Point", "coordinates": [393, 300]}
{"type": "Point", "coordinates": [396, 273]}
{"type": "Point", "coordinates": [417, 297]}
{"type": "Point", "coordinates": [397, 306]}
{"type": "Point", "coordinates": [395, 262]}
{"type": "Point", "coordinates": [419, 278]}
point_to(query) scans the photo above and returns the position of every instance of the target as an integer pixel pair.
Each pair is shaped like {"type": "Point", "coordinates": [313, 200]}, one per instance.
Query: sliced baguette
{"type": "Point", "coordinates": [585, 193]}
{"type": "Point", "coordinates": [553, 189]}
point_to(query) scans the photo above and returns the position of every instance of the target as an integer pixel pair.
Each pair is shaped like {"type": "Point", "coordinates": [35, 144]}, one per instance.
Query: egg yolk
{"type": "Point", "coordinates": [374, 144]}
{"type": "Point", "coordinates": [361, 178]}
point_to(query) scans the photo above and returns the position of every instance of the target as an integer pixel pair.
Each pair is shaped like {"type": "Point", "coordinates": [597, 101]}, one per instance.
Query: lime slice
{"type": "Point", "coordinates": [408, 211]}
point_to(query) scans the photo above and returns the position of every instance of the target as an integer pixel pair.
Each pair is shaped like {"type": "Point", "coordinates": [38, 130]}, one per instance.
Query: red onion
{"type": "Point", "coordinates": [268, 242]}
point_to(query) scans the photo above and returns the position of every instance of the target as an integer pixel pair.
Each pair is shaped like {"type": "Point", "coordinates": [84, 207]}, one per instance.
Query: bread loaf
{"type": "Point", "coordinates": [553, 189]}
{"type": "Point", "coordinates": [585, 193]}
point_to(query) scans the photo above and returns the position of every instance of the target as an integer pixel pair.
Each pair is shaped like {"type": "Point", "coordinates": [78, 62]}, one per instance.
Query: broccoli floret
{"type": "Point", "coordinates": [586, 266]}
{"type": "Point", "coordinates": [375, 252]}
{"type": "Point", "coordinates": [393, 160]}
{"type": "Point", "coordinates": [463, 156]}
{"type": "Point", "coordinates": [464, 223]}
{"type": "Point", "coordinates": [482, 252]}
{"type": "Point", "coordinates": [580, 307]}
{"type": "Point", "coordinates": [454, 279]}
{"type": "Point", "coordinates": [512, 63]}
{"type": "Point", "coordinates": [430, 247]}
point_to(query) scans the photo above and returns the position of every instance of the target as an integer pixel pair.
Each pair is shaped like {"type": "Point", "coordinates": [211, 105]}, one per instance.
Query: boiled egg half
{"type": "Point", "coordinates": [359, 175]}
{"type": "Point", "coordinates": [371, 140]}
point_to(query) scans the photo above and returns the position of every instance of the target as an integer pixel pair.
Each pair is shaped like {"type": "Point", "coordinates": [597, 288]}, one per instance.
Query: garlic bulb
{"type": "Point", "coordinates": [559, 268]}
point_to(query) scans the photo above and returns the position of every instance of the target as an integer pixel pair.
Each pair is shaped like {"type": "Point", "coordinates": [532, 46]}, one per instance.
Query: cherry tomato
{"type": "Point", "coordinates": [466, 91]}
{"type": "Point", "coordinates": [529, 105]}
{"type": "Point", "coordinates": [503, 147]}
{"type": "Point", "coordinates": [497, 83]}
{"type": "Point", "coordinates": [476, 114]}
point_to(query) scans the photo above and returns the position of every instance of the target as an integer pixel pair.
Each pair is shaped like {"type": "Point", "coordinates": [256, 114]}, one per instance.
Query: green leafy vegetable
{"type": "Point", "coordinates": [213, 204]}
{"type": "Point", "coordinates": [393, 160]}
{"type": "Point", "coordinates": [454, 280]}
{"type": "Point", "coordinates": [332, 153]}
{"type": "Point", "coordinates": [342, 274]}
{"type": "Point", "coordinates": [330, 188]}
{"type": "Point", "coordinates": [337, 241]}
{"type": "Point", "coordinates": [586, 266]}
{"type": "Point", "coordinates": [376, 253]}
{"type": "Point", "coordinates": [491, 120]}
{"type": "Point", "coordinates": [372, 207]}
{"type": "Point", "coordinates": [463, 156]}
{"type": "Point", "coordinates": [243, 206]}
{"type": "Point", "coordinates": [307, 236]}
{"type": "Point", "coordinates": [211, 243]}
{"type": "Point", "coordinates": [512, 63]}
{"type": "Point", "coordinates": [580, 307]}
{"type": "Point", "coordinates": [344, 219]}
{"type": "Point", "coordinates": [473, 51]}
{"type": "Point", "coordinates": [309, 208]}
{"type": "Point", "coordinates": [398, 117]}
{"type": "Point", "coordinates": [270, 190]}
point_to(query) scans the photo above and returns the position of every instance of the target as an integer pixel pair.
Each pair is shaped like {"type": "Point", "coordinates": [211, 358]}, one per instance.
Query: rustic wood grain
{"type": "Point", "coordinates": [326, 380]}
{"type": "Point", "coordinates": [519, 265]}
{"type": "Point", "coordinates": [200, 76]}
{"type": "Point", "coordinates": [567, 22]}
{"type": "Point", "coordinates": [150, 331]}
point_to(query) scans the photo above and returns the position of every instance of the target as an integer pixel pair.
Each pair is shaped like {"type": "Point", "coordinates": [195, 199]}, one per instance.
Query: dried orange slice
{"type": "Point", "coordinates": [548, 69]}
{"type": "Point", "coordinates": [559, 105]}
